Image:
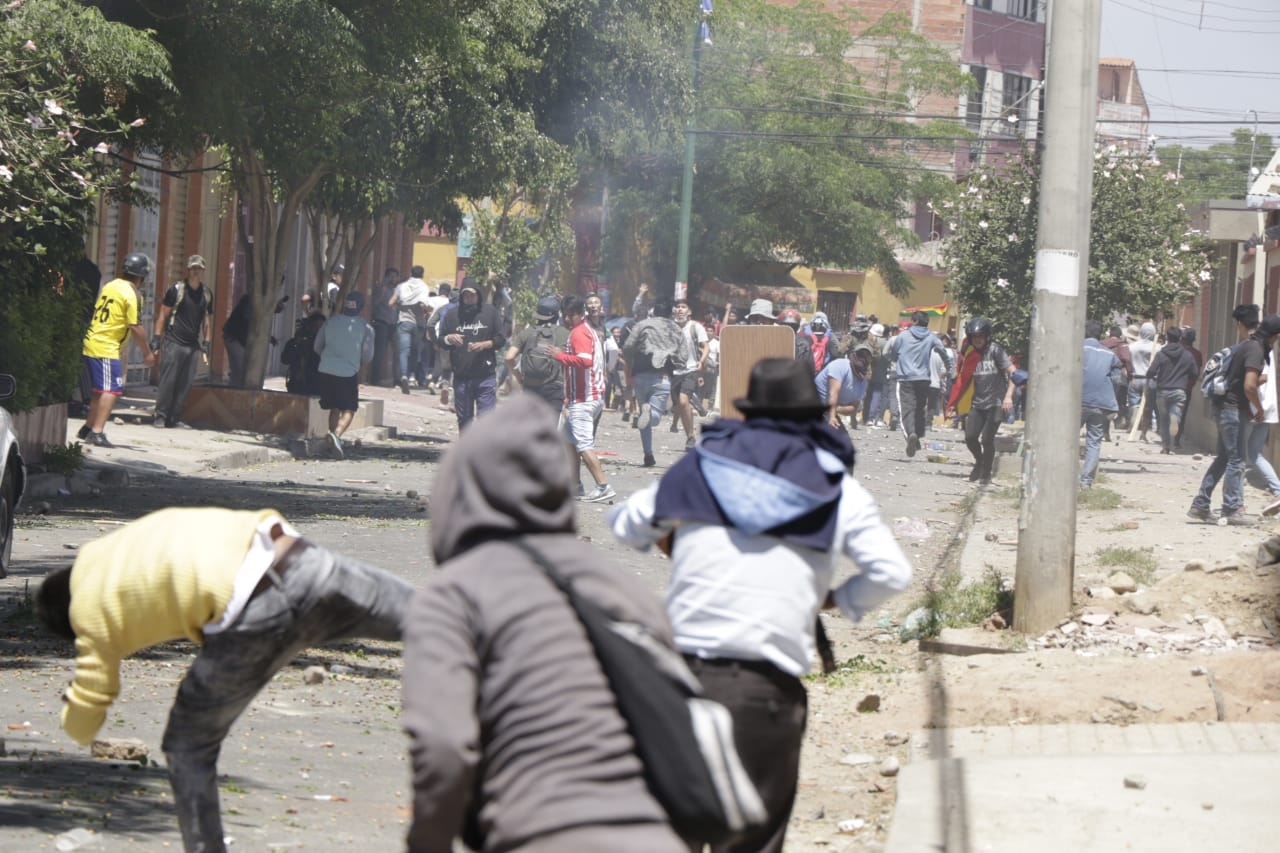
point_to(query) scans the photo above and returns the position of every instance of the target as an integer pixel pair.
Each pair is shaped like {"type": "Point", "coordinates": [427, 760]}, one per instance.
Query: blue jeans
{"type": "Point", "coordinates": [1095, 424]}
{"type": "Point", "coordinates": [407, 338]}
{"type": "Point", "coordinates": [473, 397]}
{"type": "Point", "coordinates": [320, 596]}
{"type": "Point", "coordinates": [1137, 387]}
{"type": "Point", "coordinates": [1170, 404]}
{"type": "Point", "coordinates": [654, 389]}
{"type": "Point", "coordinates": [1256, 457]}
{"type": "Point", "coordinates": [1233, 442]}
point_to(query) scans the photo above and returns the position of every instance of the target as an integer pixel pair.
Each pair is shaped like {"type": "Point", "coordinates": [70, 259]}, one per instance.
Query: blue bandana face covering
{"type": "Point", "coordinates": [762, 476]}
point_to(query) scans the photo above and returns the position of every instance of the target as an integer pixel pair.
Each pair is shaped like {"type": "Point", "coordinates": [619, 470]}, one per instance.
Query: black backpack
{"type": "Point", "coordinates": [536, 367]}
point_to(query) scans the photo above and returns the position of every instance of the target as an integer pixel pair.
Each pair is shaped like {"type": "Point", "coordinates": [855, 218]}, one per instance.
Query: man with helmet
{"type": "Point", "coordinates": [984, 384]}
{"type": "Point", "coordinates": [822, 341]}
{"type": "Point", "coordinates": [539, 373]}
{"type": "Point", "coordinates": [115, 319]}
{"type": "Point", "coordinates": [791, 317]}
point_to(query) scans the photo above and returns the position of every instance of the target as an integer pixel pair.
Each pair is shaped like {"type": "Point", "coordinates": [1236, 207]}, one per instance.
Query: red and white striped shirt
{"type": "Point", "coordinates": [583, 361]}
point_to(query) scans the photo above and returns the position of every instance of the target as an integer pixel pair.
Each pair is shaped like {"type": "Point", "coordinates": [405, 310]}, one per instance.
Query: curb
{"type": "Point", "coordinates": [248, 457]}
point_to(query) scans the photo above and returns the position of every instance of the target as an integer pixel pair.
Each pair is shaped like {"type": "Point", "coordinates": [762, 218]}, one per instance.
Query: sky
{"type": "Point", "coordinates": [1213, 69]}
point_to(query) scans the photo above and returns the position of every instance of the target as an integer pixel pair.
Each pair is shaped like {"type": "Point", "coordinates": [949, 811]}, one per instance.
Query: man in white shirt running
{"type": "Point", "coordinates": [755, 520]}
{"type": "Point", "coordinates": [684, 383]}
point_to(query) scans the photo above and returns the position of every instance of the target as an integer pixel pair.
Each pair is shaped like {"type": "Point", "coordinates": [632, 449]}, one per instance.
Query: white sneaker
{"type": "Point", "coordinates": [337, 444]}
{"type": "Point", "coordinates": [599, 493]}
{"type": "Point", "coordinates": [1272, 508]}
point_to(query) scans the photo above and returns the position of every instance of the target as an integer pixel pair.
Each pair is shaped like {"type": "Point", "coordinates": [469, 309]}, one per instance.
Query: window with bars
{"type": "Point", "coordinates": [1017, 94]}
{"type": "Point", "coordinates": [973, 109]}
{"type": "Point", "coordinates": [1025, 9]}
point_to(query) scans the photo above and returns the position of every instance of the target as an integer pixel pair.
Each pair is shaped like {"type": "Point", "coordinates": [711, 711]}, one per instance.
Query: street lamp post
{"type": "Point", "coordinates": [701, 36]}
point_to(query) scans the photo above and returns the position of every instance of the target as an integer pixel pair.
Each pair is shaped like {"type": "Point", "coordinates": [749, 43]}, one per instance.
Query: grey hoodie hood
{"type": "Point", "coordinates": [508, 474]}
{"type": "Point", "coordinates": [1148, 331]}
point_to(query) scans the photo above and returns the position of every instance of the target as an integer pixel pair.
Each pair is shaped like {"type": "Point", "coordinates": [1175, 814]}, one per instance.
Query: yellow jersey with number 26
{"type": "Point", "coordinates": [114, 312]}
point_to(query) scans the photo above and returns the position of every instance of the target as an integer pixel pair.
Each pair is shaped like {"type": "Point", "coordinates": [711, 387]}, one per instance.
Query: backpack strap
{"type": "Point", "coordinates": [181, 287]}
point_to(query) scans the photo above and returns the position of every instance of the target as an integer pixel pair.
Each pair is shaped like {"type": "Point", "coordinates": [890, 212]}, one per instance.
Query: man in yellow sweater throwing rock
{"type": "Point", "coordinates": [243, 585]}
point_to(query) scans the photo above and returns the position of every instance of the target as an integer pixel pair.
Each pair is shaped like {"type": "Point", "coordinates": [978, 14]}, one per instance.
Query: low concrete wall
{"type": "Point", "coordinates": [219, 407]}
{"type": "Point", "coordinates": [43, 425]}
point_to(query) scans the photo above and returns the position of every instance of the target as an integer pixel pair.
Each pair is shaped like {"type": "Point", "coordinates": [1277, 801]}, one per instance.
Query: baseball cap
{"type": "Point", "coordinates": [195, 261]}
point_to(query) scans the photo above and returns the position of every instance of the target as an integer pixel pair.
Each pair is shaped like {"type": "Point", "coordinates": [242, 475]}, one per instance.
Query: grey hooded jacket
{"type": "Point", "coordinates": [912, 349]}
{"type": "Point", "coordinates": [515, 737]}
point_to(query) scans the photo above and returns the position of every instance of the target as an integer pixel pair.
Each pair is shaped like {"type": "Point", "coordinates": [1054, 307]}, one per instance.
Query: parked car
{"type": "Point", "coordinates": [13, 474]}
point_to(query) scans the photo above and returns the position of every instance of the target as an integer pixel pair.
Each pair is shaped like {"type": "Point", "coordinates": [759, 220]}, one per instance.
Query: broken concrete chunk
{"type": "Point", "coordinates": [313, 675]}
{"type": "Point", "coordinates": [1121, 583]}
{"type": "Point", "coordinates": [119, 749]}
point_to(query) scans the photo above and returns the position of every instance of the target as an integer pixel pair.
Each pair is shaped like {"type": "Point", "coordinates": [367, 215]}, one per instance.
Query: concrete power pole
{"type": "Point", "coordinates": [1050, 468]}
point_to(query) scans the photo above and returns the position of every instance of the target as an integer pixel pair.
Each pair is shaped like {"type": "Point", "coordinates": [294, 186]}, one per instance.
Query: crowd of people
{"type": "Point", "coordinates": [515, 740]}
{"type": "Point", "coordinates": [755, 517]}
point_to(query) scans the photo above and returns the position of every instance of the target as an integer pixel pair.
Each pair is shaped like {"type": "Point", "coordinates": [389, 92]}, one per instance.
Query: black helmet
{"type": "Point", "coordinates": [137, 264]}
{"type": "Point", "coordinates": [339, 269]}
{"type": "Point", "coordinates": [978, 326]}
{"type": "Point", "coordinates": [548, 308]}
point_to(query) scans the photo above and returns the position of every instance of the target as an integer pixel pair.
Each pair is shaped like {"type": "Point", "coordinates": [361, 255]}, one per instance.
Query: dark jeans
{"type": "Point", "coordinates": [1094, 421]}
{"type": "Point", "coordinates": [655, 390]}
{"type": "Point", "coordinates": [235, 362]}
{"type": "Point", "coordinates": [409, 341]}
{"type": "Point", "coordinates": [177, 371]}
{"type": "Point", "coordinates": [473, 397]}
{"type": "Point", "coordinates": [380, 373]}
{"type": "Point", "coordinates": [1170, 404]}
{"type": "Point", "coordinates": [1233, 442]}
{"type": "Point", "coordinates": [769, 710]}
{"type": "Point", "coordinates": [913, 400]}
{"type": "Point", "coordinates": [318, 596]}
{"type": "Point", "coordinates": [980, 437]}
{"type": "Point", "coordinates": [873, 403]}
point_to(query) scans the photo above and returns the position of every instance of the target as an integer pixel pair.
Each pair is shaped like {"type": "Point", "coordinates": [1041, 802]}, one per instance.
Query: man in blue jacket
{"type": "Point", "coordinates": [911, 351]}
{"type": "Point", "coordinates": [1097, 397]}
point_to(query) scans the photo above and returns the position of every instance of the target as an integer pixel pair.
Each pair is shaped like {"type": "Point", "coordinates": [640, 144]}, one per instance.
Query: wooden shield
{"type": "Point", "coordinates": [740, 348]}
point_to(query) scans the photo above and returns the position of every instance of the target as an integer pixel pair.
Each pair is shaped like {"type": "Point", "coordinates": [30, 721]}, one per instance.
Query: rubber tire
{"type": "Point", "coordinates": [7, 501]}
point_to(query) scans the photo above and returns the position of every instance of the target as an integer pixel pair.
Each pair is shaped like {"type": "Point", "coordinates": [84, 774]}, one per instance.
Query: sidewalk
{"type": "Point", "coordinates": [142, 449]}
{"type": "Point", "coordinates": [1188, 786]}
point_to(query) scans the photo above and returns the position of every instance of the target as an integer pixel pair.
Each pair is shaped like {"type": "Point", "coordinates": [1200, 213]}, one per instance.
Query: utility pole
{"type": "Point", "coordinates": [1050, 466]}
{"type": "Point", "coordinates": [701, 35]}
{"type": "Point", "coordinates": [1253, 149]}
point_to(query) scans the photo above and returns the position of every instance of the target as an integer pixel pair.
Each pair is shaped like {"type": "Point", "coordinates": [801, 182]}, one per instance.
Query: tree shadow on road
{"type": "Point", "coordinates": [298, 502]}
{"type": "Point", "coordinates": [48, 792]}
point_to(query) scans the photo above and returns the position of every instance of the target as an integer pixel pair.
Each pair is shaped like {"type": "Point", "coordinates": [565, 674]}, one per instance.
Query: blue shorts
{"type": "Point", "coordinates": [106, 375]}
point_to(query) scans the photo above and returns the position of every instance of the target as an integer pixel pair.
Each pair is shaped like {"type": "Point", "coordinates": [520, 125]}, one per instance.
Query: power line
{"type": "Point", "coordinates": [1156, 15]}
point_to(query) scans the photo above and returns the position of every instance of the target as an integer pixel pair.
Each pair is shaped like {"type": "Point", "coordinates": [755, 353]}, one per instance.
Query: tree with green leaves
{"type": "Point", "coordinates": [1143, 260]}
{"type": "Point", "coordinates": [1220, 171]}
{"type": "Point", "coordinates": [65, 79]}
{"type": "Point", "coordinates": [373, 107]}
{"type": "Point", "coordinates": [809, 150]}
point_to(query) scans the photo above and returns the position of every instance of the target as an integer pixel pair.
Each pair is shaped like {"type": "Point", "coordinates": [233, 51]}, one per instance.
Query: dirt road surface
{"type": "Point", "coordinates": [323, 767]}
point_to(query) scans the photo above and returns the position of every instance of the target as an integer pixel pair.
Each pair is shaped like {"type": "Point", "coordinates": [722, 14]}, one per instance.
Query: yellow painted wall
{"type": "Point", "coordinates": [874, 297]}
{"type": "Point", "coordinates": [438, 257]}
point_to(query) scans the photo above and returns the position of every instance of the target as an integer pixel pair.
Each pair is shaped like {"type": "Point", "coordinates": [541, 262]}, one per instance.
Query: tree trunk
{"type": "Point", "coordinates": [266, 234]}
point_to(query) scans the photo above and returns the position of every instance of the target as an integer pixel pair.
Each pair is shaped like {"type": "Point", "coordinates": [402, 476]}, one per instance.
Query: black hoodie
{"type": "Point", "coordinates": [480, 322]}
{"type": "Point", "coordinates": [1173, 368]}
